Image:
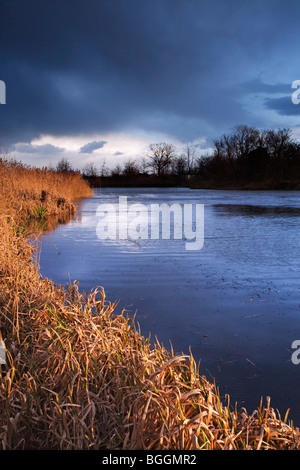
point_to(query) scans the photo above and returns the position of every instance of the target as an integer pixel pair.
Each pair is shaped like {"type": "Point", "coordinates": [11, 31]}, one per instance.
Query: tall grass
{"type": "Point", "coordinates": [78, 376]}
{"type": "Point", "coordinates": [26, 191]}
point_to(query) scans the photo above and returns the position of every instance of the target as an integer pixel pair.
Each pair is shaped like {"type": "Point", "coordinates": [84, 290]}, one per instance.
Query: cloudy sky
{"type": "Point", "coordinates": [99, 80]}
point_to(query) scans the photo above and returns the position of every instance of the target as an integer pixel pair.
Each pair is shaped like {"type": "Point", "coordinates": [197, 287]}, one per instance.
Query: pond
{"type": "Point", "coordinates": [234, 302]}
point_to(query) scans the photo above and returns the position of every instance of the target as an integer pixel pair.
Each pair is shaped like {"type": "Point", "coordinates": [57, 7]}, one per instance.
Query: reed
{"type": "Point", "coordinates": [78, 376]}
{"type": "Point", "coordinates": [31, 192]}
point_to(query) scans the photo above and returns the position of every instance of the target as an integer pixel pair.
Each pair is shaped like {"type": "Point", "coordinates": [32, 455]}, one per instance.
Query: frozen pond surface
{"type": "Point", "coordinates": [235, 302]}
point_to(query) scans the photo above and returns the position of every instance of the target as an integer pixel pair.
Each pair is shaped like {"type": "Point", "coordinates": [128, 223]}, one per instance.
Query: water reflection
{"type": "Point", "coordinates": [52, 222]}
{"type": "Point", "coordinates": [49, 222]}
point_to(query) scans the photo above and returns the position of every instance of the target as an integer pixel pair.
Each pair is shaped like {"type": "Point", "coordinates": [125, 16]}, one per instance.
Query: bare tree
{"type": "Point", "coordinates": [130, 168]}
{"type": "Point", "coordinates": [277, 141]}
{"type": "Point", "coordinates": [63, 165]}
{"type": "Point", "coordinates": [90, 170]}
{"type": "Point", "coordinates": [104, 170]}
{"type": "Point", "coordinates": [179, 166]}
{"type": "Point", "coordinates": [117, 170]}
{"type": "Point", "coordinates": [143, 166]}
{"type": "Point", "coordinates": [160, 157]}
{"type": "Point", "coordinates": [242, 140]}
{"type": "Point", "coordinates": [190, 155]}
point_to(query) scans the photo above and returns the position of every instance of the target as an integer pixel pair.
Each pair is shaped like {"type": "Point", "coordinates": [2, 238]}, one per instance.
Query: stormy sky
{"type": "Point", "coordinates": [99, 80]}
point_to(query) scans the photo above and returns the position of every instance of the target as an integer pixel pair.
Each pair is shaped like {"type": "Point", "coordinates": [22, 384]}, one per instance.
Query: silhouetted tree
{"type": "Point", "coordinates": [190, 156]}
{"type": "Point", "coordinates": [90, 170]}
{"type": "Point", "coordinates": [130, 168]}
{"type": "Point", "coordinates": [143, 166]}
{"type": "Point", "coordinates": [160, 157]}
{"type": "Point", "coordinates": [63, 165]}
{"type": "Point", "coordinates": [248, 153]}
{"type": "Point", "coordinates": [179, 166]}
{"type": "Point", "coordinates": [104, 171]}
{"type": "Point", "coordinates": [117, 170]}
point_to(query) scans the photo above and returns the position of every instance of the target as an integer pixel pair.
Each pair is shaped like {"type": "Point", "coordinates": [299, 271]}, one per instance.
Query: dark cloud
{"type": "Point", "coordinates": [48, 149]}
{"type": "Point", "coordinates": [258, 86]}
{"type": "Point", "coordinates": [118, 153]}
{"type": "Point", "coordinates": [91, 146]}
{"type": "Point", "coordinates": [186, 68]}
{"type": "Point", "coordinates": [283, 106]}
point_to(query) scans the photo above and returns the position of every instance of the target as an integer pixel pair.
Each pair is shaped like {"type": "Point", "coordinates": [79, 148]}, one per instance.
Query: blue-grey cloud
{"type": "Point", "coordinates": [186, 68]}
{"type": "Point", "coordinates": [283, 106]}
{"type": "Point", "coordinates": [47, 149]}
{"type": "Point", "coordinates": [91, 146]}
{"type": "Point", "coordinates": [258, 86]}
{"type": "Point", "coordinates": [118, 153]}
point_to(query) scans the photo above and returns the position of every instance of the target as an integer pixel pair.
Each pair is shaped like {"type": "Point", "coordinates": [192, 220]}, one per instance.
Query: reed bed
{"type": "Point", "coordinates": [27, 192]}
{"type": "Point", "coordinates": [78, 376]}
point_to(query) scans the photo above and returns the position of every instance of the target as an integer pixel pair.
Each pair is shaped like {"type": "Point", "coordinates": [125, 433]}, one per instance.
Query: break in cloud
{"type": "Point", "coordinates": [91, 146]}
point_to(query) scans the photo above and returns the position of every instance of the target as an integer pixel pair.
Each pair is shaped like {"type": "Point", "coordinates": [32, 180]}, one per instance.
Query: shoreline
{"type": "Point", "coordinates": [192, 183]}
{"type": "Point", "coordinates": [78, 376]}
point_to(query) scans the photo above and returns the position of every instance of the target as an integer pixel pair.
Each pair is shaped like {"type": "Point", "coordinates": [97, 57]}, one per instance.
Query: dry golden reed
{"type": "Point", "coordinates": [79, 376]}
{"type": "Point", "coordinates": [28, 191]}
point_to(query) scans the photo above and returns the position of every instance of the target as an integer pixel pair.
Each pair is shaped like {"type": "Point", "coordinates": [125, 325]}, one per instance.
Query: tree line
{"type": "Point", "coordinates": [161, 159]}
{"type": "Point", "coordinates": [245, 155]}
{"type": "Point", "coordinates": [251, 155]}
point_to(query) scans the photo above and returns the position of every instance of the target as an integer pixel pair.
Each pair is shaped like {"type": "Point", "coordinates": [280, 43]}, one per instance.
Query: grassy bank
{"type": "Point", "coordinates": [77, 376]}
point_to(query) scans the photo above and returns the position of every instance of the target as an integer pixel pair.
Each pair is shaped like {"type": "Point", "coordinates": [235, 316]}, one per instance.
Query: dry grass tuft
{"type": "Point", "coordinates": [80, 377]}
{"type": "Point", "coordinates": [27, 192]}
